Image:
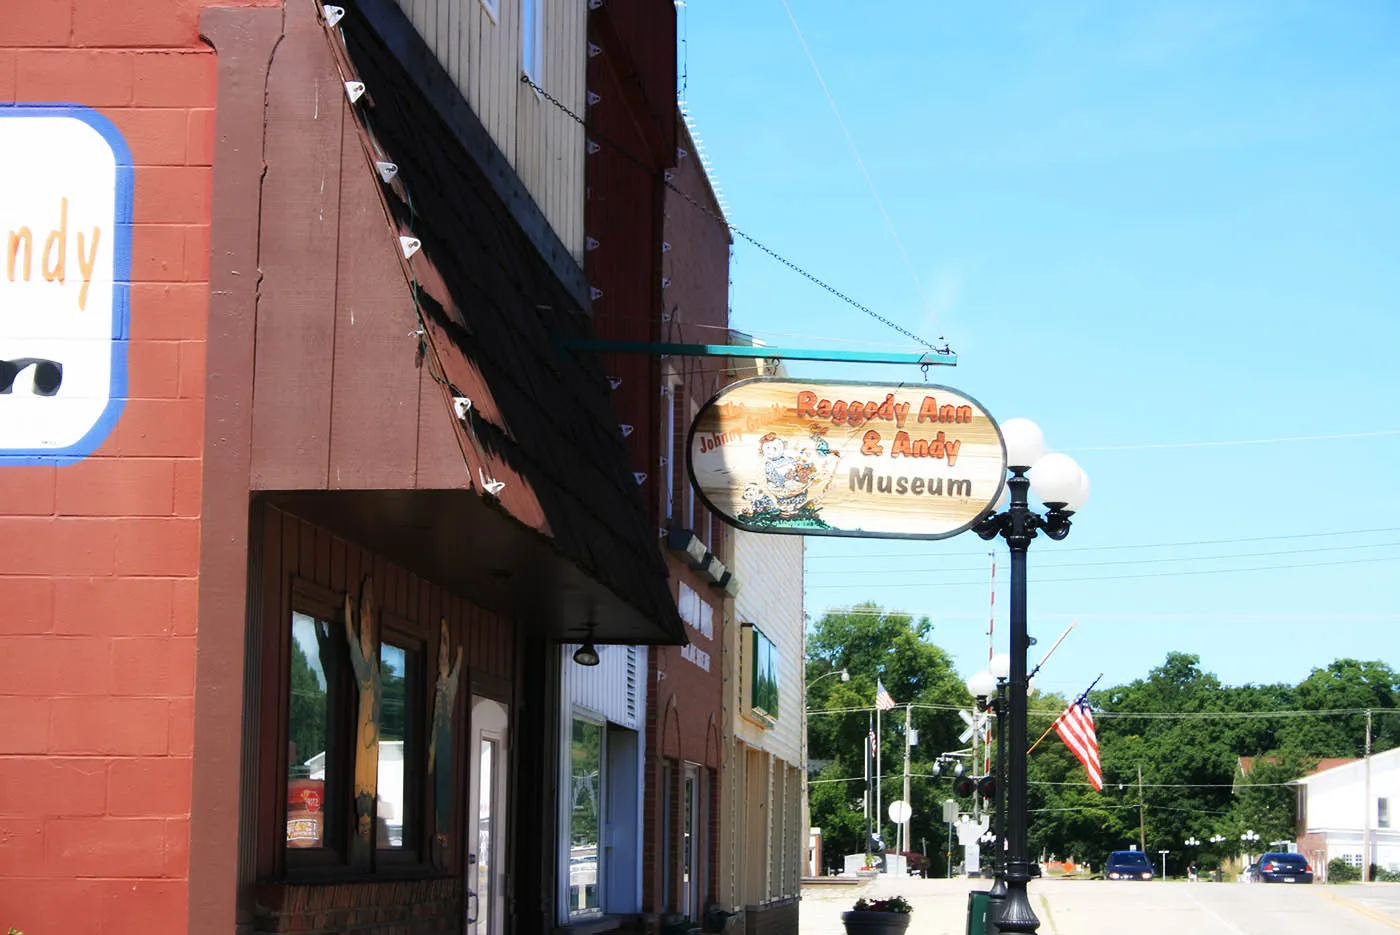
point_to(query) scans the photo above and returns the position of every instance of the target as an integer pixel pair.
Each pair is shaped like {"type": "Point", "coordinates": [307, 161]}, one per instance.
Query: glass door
{"type": "Point", "coordinates": [486, 809]}
{"type": "Point", "coordinates": [694, 847]}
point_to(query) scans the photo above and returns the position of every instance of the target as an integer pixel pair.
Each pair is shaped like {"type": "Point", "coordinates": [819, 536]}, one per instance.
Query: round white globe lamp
{"type": "Point", "coordinates": [1025, 443]}
{"type": "Point", "coordinates": [981, 684]}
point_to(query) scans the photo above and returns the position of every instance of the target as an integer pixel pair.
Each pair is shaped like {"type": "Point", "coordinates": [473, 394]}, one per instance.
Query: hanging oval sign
{"type": "Point", "coordinates": [837, 458]}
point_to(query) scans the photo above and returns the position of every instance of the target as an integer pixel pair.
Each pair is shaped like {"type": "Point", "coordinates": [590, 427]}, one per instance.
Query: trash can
{"type": "Point", "coordinates": [979, 920]}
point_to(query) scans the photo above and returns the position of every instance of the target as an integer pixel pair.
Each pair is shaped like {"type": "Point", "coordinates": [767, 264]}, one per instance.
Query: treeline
{"type": "Point", "coordinates": [1186, 734]}
{"type": "Point", "coordinates": [1171, 746]}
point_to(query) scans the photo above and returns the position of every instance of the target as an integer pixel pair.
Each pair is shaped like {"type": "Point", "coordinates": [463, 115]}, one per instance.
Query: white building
{"type": "Point", "coordinates": [1335, 813]}
{"type": "Point", "coordinates": [764, 833]}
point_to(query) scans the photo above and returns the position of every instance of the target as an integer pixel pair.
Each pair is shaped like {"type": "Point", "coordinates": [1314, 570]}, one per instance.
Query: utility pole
{"type": "Point", "coordinates": [1366, 828]}
{"type": "Point", "coordinates": [868, 739]}
{"type": "Point", "coordinates": [1142, 815]}
{"type": "Point", "coordinates": [904, 844]}
{"type": "Point", "coordinates": [976, 762]}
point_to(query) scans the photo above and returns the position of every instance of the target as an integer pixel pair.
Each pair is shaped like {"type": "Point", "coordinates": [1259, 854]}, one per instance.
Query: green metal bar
{"type": "Point", "coordinates": [929, 358]}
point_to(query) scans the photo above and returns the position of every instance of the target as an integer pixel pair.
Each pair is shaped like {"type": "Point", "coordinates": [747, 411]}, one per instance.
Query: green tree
{"type": "Point", "coordinates": [1265, 802]}
{"type": "Point", "coordinates": [307, 711]}
{"type": "Point", "coordinates": [876, 645]}
{"type": "Point", "coordinates": [1345, 683]}
{"type": "Point", "coordinates": [1186, 732]}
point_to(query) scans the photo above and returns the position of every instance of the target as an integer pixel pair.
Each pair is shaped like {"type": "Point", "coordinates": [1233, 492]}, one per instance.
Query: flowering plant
{"type": "Point", "coordinates": [892, 904]}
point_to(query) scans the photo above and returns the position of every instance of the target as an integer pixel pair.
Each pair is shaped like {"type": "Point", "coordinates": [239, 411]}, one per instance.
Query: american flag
{"type": "Point", "coordinates": [1076, 729]}
{"type": "Point", "coordinates": [883, 701]}
{"type": "Point", "coordinates": [874, 745]}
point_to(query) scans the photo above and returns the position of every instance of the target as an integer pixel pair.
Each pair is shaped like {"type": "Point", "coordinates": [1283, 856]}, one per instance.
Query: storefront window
{"type": "Point", "coordinates": [688, 842]}
{"type": "Point", "coordinates": [485, 827]}
{"type": "Point", "coordinates": [309, 728]}
{"type": "Point", "coordinates": [585, 822]}
{"type": "Point", "coordinates": [397, 667]}
{"type": "Point", "coordinates": [765, 676]}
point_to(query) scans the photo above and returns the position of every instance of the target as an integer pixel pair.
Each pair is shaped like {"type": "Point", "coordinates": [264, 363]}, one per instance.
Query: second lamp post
{"type": "Point", "coordinates": [1063, 488]}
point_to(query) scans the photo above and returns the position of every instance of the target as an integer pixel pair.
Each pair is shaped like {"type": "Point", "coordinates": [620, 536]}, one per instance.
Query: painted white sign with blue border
{"type": "Point", "coordinates": [65, 229]}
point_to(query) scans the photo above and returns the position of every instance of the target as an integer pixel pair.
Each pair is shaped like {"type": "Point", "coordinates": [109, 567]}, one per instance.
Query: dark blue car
{"type": "Point", "coordinates": [1127, 865]}
{"type": "Point", "coordinates": [1280, 867]}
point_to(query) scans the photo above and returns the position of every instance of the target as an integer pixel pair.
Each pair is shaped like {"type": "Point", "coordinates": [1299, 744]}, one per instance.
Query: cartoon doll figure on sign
{"type": "Point", "coordinates": [757, 501]}
{"type": "Point", "coordinates": [364, 660]}
{"type": "Point", "coordinates": [785, 477]}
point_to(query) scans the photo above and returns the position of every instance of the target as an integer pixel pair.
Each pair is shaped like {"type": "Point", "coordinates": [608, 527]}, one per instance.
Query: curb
{"type": "Point", "coordinates": [1367, 911]}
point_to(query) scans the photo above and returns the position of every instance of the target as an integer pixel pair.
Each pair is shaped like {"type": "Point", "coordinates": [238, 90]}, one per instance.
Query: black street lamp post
{"type": "Point", "coordinates": [998, 890]}
{"type": "Point", "coordinates": [1062, 487]}
{"type": "Point", "coordinates": [982, 685]}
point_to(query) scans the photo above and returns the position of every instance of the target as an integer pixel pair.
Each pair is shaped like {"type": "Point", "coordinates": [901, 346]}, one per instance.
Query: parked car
{"type": "Point", "coordinates": [1127, 865]}
{"type": "Point", "coordinates": [1280, 867]}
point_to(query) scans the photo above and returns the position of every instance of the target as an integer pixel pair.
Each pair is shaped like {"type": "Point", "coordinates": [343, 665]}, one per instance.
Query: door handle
{"type": "Point", "coordinates": [473, 906]}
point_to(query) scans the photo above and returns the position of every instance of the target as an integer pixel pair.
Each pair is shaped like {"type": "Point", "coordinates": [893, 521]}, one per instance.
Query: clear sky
{"type": "Point", "coordinates": [1140, 225]}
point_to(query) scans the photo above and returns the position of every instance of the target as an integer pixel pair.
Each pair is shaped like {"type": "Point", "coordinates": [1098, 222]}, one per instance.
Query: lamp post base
{"type": "Point", "coordinates": [1015, 913]}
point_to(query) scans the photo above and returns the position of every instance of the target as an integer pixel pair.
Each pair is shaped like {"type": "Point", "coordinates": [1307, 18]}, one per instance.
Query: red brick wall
{"type": "Point", "coordinates": [775, 918]}
{"type": "Point", "coordinates": [97, 574]}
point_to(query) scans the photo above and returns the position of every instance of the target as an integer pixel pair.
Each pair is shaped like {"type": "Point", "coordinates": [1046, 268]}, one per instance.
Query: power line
{"type": "Point", "coordinates": [870, 183]}
{"type": "Point", "coordinates": [1139, 545]}
{"type": "Point", "coordinates": [1117, 616]}
{"type": "Point", "coordinates": [1137, 561]}
{"type": "Point", "coordinates": [1165, 785]}
{"type": "Point", "coordinates": [805, 336]}
{"type": "Point", "coordinates": [718, 219]}
{"type": "Point", "coordinates": [1240, 441]}
{"type": "Point", "coordinates": [1163, 574]}
{"type": "Point", "coordinates": [1157, 715]}
{"type": "Point", "coordinates": [1160, 808]}
{"type": "Point", "coordinates": [1148, 785]}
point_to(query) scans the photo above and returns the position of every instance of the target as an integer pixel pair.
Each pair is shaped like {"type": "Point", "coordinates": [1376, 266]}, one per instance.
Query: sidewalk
{"type": "Point", "coordinates": [940, 906]}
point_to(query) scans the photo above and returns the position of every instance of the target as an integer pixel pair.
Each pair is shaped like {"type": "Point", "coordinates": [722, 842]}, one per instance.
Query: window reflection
{"type": "Point", "coordinates": [308, 730]}
{"type": "Point", "coordinates": [395, 725]}
{"type": "Point", "coordinates": [765, 675]}
{"type": "Point", "coordinates": [688, 844]}
{"type": "Point", "coordinates": [585, 823]}
{"type": "Point", "coordinates": [484, 825]}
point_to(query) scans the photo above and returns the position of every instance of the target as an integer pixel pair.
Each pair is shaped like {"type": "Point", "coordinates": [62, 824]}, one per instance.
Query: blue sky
{"type": "Point", "coordinates": [1143, 224]}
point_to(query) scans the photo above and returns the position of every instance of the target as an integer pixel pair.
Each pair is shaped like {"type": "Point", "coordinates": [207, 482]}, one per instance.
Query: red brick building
{"type": "Point", "coordinates": [647, 188]}
{"type": "Point", "coordinates": [324, 445]}
{"type": "Point", "coordinates": [100, 572]}
{"type": "Point", "coordinates": [686, 754]}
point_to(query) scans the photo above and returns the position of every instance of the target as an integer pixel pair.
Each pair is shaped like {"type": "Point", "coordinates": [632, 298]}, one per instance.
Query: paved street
{"type": "Point", "coordinates": [1083, 907]}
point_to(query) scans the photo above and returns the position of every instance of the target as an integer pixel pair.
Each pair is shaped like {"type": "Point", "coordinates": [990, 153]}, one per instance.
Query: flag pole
{"type": "Point", "coordinates": [1042, 737]}
{"type": "Point", "coordinates": [904, 826]}
{"type": "Point", "coordinates": [879, 755]}
{"type": "Point", "coordinates": [867, 796]}
{"type": "Point", "coordinates": [1055, 646]}
{"type": "Point", "coordinates": [1082, 696]}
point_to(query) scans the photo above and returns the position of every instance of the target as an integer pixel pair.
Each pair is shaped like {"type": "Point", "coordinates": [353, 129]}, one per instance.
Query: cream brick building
{"type": "Point", "coordinates": [763, 830]}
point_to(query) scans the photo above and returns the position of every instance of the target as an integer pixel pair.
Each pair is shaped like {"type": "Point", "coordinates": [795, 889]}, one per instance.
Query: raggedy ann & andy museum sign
{"type": "Point", "coordinates": [831, 458]}
{"type": "Point", "coordinates": [65, 231]}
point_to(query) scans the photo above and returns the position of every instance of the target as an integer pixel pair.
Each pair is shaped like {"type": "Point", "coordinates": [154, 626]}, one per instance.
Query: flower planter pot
{"type": "Point", "coordinates": [875, 923]}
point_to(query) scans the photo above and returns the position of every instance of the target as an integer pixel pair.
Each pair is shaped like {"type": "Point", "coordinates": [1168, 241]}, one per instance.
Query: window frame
{"type": "Point", "coordinates": [567, 914]}
{"type": "Point", "coordinates": [669, 448]}
{"type": "Point", "coordinates": [753, 702]}
{"type": "Point", "coordinates": [668, 859]}
{"type": "Point", "coordinates": [319, 604]}
{"type": "Point", "coordinates": [532, 22]}
{"type": "Point", "coordinates": [413, 854]}
{"type": "Point", "coordinates": [344, 857]}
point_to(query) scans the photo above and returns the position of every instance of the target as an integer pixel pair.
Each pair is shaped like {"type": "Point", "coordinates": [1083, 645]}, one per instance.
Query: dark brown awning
{"type": "Point", "coordinates": [567, 539]}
